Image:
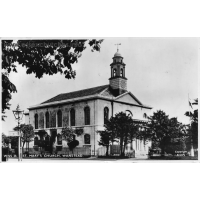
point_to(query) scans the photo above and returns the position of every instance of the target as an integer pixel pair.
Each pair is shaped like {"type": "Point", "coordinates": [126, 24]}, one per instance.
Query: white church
{"type": "Point", "coordinates": [88, 109]}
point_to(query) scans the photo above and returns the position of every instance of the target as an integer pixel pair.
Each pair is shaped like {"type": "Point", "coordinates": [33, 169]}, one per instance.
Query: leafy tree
{"type": "Point", "coordinates": [18, 128]}
{"type": "Point", "coordinates": [7, 89]}
{"type": "Point", "coordinates": [68, 134]}
{"type": "Point", "coordinates": [27, 133]}
{"type": "Point", "coordinates": [104, 140]}
{"type": "Point", "coordinates": [5, 140]}
{"type": "Point", "coordinates": [9, 139]}
{"type": "Point", "coordinates": [162, 130]}
{"type": "Point", "coordinates": [107, 137]}
{"type": "Point", "coordinates": [119, 128]}
{"type": "Point", "coordinates": [123, 128]}
{"type": "Point", "coordinates": [137, 131]}
{"type": "Point", "coordinates": [40, 57]}
{"type": "Point", "coordinates": [193, 128]}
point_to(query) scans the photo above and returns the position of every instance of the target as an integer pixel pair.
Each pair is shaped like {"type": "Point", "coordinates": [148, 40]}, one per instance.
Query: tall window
{"type": "Point", "coordinates": [114, 72]}
{"type": "Point", "coordinates": [87, 139]}
{"type": "Point", "coordinates": [59, 118]}
{"type": "Point", "coordinates": [72, 117]}
{"type": "Point", "coordinates": [87, 115]}
{"type": "Point", "coordinates": [36, 140]}
{"type": "Point", "coordinates": [59, 139]}
{"type": "Point", "coordinates": [41, 120]}
{"type": "Point", "coordinates": [106, 114]}
{"type": "Point", "coordinates": [36, 121]}
{"type": "Point", "coordinates": [47, 119]}
{"type": "Point", "coordinates": [121, 72]}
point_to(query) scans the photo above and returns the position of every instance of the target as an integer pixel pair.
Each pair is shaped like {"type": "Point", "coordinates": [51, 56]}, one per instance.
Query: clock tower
{"type": "Point", "coordinates": [118, 81]}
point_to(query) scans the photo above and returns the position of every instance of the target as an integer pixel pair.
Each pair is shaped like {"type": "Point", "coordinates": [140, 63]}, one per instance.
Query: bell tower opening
{"type": "Point", "coordinates": [118, 81]}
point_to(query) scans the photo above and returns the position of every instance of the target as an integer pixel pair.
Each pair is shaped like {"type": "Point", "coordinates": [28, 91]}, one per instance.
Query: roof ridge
{"type": "Point", "coordinates": [84, 89]}
{"type": "Point", "coordinates": [77, 91]}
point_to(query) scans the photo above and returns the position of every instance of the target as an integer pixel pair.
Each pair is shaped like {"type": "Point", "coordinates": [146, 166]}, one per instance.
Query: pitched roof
{"type": "Point", "coordinates": [76, 94]}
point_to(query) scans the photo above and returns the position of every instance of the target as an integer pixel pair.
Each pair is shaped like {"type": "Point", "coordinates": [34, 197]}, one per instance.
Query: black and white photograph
{"type": "Point", "coordinates": [124, 99]}
{"type": "Point", "coordinates": [99, 100]}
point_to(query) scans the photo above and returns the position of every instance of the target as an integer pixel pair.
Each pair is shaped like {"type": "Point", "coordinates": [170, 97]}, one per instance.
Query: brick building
{"type": "Point", "coordinates": [88, 109]}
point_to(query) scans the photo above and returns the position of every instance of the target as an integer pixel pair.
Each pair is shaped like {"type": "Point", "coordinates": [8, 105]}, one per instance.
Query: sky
{"type": "Point", "coordinates": [161, 72]}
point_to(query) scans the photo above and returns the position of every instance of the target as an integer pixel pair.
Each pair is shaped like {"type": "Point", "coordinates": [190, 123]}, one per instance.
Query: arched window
{"type": "Point", "coordinates": [36, 121]}
{"type": "Point", "coordinates": [59, 139]}
{"type": "Point", "coordinates": [59, 118]}
{"type": "Point", "coordinates": [87, 115]}
{"type": "Point", "coordinates": [121, 72]}
{"type": "Point", "coordinates": [47, 119]}
{"type": "Point", "coordinates": [114, 72]}
{"type": "Point", "coordinates": [41, 120]}
{"type": "Point", "coordinates": [87, 139]}
{"type": "Point", "coordinates": [72, 117]}
{"type": "Point", "coordinates": [106, 114]}
{"type": "Point", "coordinates": [128, 112]}
{"type": "Point", "coordinates": [36, 140]}
{"type": "Point", "coordinates": [145, 116]}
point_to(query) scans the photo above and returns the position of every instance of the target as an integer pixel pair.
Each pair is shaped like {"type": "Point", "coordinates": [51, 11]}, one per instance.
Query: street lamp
{"type": "Point", "coordinates": [18, 116]}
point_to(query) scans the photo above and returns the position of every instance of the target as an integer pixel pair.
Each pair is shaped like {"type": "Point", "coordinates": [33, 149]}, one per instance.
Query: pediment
{"type": "Point", "coordinates": [128, 98]}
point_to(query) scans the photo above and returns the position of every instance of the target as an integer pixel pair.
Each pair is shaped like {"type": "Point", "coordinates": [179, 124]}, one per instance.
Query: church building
{"type": "Point", "coordinates": [88, 109]}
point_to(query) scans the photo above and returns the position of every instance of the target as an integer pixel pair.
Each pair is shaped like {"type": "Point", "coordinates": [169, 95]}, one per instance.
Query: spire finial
{"type": "Point", "coordinates": [117, 46]}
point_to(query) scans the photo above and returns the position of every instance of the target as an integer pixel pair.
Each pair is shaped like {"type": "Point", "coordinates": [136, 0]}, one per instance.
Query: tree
{"type": "Point", "coordinates": [40, 57]}
{"type": "Point", "coordinates": [5, 140]}
{"type": "Point", "coordinates": [7, 89]}
{"type": "Point", "coordinates": [68, 134]}
{"type": "Point", "coordinates": [126, 130]}
{"type": "Point", "coordinates": [163, 131]}
{"type": "Point", "coordinates": [136, 131]}
{"type": "Point", "coordinates": [13, 140]}
{"type": "Point", "coordinates": [107, 137]}
{"type": "Point", "coordinates": [193, 127]}
{"type": "Point", "coordinates": [119, 128]}
{"type": "Point", "coordinates": [27, 133]}
{"type": "Point", "coordinates": [18, 128]}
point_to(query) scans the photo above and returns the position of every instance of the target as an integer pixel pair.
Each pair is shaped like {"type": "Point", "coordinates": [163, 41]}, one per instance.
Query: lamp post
{"type": "Point", "coordinates": [18, 116]}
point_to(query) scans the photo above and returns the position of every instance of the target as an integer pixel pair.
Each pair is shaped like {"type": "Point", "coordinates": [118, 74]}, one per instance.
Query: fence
{"type": "Point", "coordinates": [114, 150]}
{"type": "Point", "coordinates": [84, 151]}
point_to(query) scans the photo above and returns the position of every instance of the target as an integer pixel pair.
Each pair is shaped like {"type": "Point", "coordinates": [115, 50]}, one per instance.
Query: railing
{"type": "Point", "coordinates": [84, 151]}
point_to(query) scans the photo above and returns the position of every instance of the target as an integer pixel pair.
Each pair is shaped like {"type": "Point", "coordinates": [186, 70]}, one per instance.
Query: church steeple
{"type": "Point", "coordinates": [118, 81]}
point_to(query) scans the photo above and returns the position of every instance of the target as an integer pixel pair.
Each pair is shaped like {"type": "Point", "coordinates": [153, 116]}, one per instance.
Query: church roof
{"type": "Point", "coordinates": [79, 93]}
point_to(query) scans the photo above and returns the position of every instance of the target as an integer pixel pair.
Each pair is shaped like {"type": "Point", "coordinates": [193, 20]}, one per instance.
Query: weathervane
{"type": "Point", "coordinates": [118, 45]}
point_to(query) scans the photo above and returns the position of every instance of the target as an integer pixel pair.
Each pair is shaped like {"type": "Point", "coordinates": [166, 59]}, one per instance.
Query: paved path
{"type": "Point", "coordinates": [91, 160]}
